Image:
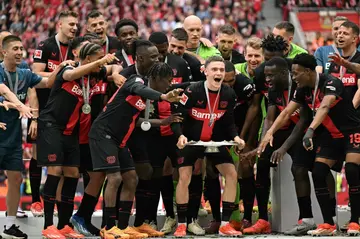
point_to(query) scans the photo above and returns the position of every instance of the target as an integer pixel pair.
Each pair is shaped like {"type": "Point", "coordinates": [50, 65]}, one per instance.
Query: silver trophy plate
{"type": "Point", "coordinates": [211, 146]}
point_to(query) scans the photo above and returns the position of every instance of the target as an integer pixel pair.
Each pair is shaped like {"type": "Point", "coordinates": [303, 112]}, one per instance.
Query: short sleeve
{"type": "Point", "coordinates": [33, 78]}
{"type": "Point", "coordinates": [333, 86]}
{"type": "Point", "coordinates": [319, 59]}
{"type": "Point", "coordinates": [41, 54]}
{"type": "Point", "coordinates": [299, 96]}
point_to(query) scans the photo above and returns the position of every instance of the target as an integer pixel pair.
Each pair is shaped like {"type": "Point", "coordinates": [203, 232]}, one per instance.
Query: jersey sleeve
{"type": "Point", "coordinates": [32, 78]}
{"type": "Point", "coordinates": [319, 59]}
{"type": "Point", "coordinates": [41, 54]}
{"type": "Point", "coordinates": [249, 88]}
{"type": "Point", "coordinates": [187, 72]}
{"type": "Point", "coordinates": [333, 86]}
{"type": "Point", "coordinates": [299, 96]}
{"type": "Point", "coordinates": [183, 107]}
{"type": "Point", "coordinates": [135, 85]}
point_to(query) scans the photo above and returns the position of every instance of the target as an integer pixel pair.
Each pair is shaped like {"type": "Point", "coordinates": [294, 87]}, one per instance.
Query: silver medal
{"type": "Point", "coordinates": [86, 109]}
{"type": "Point", "coordinates": [145, 126]}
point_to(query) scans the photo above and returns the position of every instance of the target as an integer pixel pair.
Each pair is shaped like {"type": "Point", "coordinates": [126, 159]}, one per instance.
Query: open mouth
{"type": "Point", "coordinates": [340, 41]}
{"type": "Point", "coordinates": [100, 34]}
{"type": "Point", "coordinates": [217, 79]}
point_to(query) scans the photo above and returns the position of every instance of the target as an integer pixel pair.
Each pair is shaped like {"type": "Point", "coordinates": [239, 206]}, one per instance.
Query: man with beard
{"type": "Point", "coordinates": [194, 29]}
{"type": "Point", "coordinates": [127, 32]}
{"type": "Point", "coordinates": [225, 41]}
{"type": "Point", "coordinates": [96, 23]}
{"type": "Point", "coordinates": [287, 30]}
{"type": "Point", "coordinates": [180, 68]}
{"type": "Point", "coordinates": [177, 46]}
{"type": "Point", "coordinates": [48, 55]}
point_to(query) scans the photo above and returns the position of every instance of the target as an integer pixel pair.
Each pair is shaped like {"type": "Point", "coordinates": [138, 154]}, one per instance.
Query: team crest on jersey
{"type": "Point", "coordinates": [138, 79]}
{"type": "Point", "coordinates": [184, 99]}
{"type": "Point", "coordinates": [223, 104]}
{"type": "Point", "coordinates": [38, 54]}
{"type": "Point", "coordinates": [174, 71]}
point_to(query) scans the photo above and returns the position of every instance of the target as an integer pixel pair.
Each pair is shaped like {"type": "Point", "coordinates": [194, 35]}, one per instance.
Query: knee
{"type": "Point", "coordinates": [144, 171]}
{"type": "Point", "coordinates": [231, 176]}
{"type": "Point", "coordinates": [299, 173]}
{"type": "Point", "coordinates": [113, 180]}
{"type": "Point", "coordinates": [168, 168]}
{"type": "Point", "coordinates": [130, 180]}
{"type": "Point", "coordinates": [184, 178]}
{"type": "Point", "coordinates": [54, 170]}
{"type": "Point", "coordinates": [352, 173]}
{"type": "Point", "coordinates": [71, 172]}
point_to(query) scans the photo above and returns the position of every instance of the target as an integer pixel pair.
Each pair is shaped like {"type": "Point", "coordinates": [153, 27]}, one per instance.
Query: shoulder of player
{"type": "Point", "coordinates": [176, 60]}
{"type": "Point", "coordinates": [191, 60]}
{"type": "Point", "coordinates": [356, 57]}
{"type": "Point", "coordinates": [49, 42]}
{"type": "Point", "coordinates": [128, 71]}
{"type": "Point", "coordinates": [228, 91]}
{"type": "Point", "coordinates": [237, 56]}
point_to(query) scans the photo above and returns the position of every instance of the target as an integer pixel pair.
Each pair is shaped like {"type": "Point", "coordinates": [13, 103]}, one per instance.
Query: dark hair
{"type": "Point", "coordinates": [138, 45]}
{"type": "Point", "coordinates": [229, 66]}
{"type": "Point", "coordinates": [88, 50]}
{"type": "Point", "coordinates": [158, 38]}
{"type": "Point", "coordinates": [289, 27]}
{"type": "Point", "coordinates": [305, 60]}
{"type": "Point", "coordinates": [75, 43]}
{"type": "Point", "coordinates": [92, 37]}
{"type": "Point", "coordinates": [125, 22]}
{"type": "Point", "coordinates": [180, 34]}
{"type": "Point", "coordinates": [274, 44]}
{"type": "Point", "coordinates": [354, 27]}
{"type": "Point", "coordinates": [8, 39]}
{"type": "Point", "coordinates": [93, 14]}
{"type": "Point", "coordinates": [161, 70]}
{"type": "Point", "coordinates": [67, 13]}
{"type": "Point", "coordinates": [227, 29]}
{"type": "Point", "coordinates": [213, 59]}
{"type": "Point", "coordinates": [340, 18]}
{"type": "Point", "coordinates": [279, 62]}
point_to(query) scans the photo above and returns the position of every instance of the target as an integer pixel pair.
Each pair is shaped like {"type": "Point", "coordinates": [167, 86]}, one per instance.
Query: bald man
{"type": "Point", "coordinates": [194, 29]}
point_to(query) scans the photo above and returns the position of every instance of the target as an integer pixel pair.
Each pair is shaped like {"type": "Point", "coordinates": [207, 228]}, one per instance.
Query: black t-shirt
{"type": "Point", "coordinates": [244, 89]}
{"type": "Point", "coordinates": [342, 117]}
{"type": "Point", "coordinates": [64, 105]}
{"type": "Point", "coordinates": [125, 59]}
{"type": "Point", "coordinates": [180, 69]}
{"type": "Point", "coordinates": [98, 86]}
{"type": "Point", "coordinates": [195, 67]}
{"type": "Point", "coordinates": [114, 45]}
{"type": "Point", "coordinates": [350, 79]}
{"type": "Point", "coordinates": [117, 120]}
{"type": "Point", "coordinates": [195, 111]}
{"type": "Point", "coordinates": [236, 57]}
{"type": "Point", "coordinates": [48, 52]}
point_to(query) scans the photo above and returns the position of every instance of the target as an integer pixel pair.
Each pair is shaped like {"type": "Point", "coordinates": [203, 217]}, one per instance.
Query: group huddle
{"type": "Point", "coordinates": [124, 113]}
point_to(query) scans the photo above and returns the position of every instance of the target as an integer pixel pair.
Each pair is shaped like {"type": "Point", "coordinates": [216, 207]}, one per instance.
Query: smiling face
{"type": "Point", "coordinates": [225, 44]}
{"type": "Point", "coordinates": [177, 47]}
{"type": "Point", "coordinates": [13, 52]}
{"type": "Point", "coordinates": [127, 35]}
{"type": "Point", "coordinates": [275, 78]}
{"type": "Point", "coordinates": [68, 26]}
{"type": "Point", "coordinates": [300, 75]}
{"type": "Point", "coordinates": [215, 74]}
{"type": "Point", "coordinates": [345, 37]}
{"type": "Point", "coordinates": [253, 57]}
{"type": "Point", "coordinates": [98, 25]}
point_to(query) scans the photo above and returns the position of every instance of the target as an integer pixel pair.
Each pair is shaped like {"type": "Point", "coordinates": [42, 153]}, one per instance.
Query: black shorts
{"type": "Point", "coordinates": [138, 146]}
{"type": "Point", "coordinates": [56, 149]}
{"type": "Point", "coordinates": [353, 142]}
{"type": "Point", "coordinates": [107, 156]}
{"type": "Point", "coordinates": [303, 158]}
{"type": "Point", "coordinates": [190, 154]}
{"type": "Point", "coordinates": [161, 147]}
{"type": "Point", "coordinates": [85, 159]}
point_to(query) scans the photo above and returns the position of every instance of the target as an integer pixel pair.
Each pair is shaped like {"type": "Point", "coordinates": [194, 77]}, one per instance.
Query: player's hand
{"type": "Point", "coordinates": [33, 129]}
{"type": "Point", "coordinates": [2, 126]}
{"type": "Point", "coordinates": [67, 63]}
{"type": "Point", "coordinates": [174, 118]}
{"type": "Point", "coordinates": [206, 42]}
{"type": "Point", "coordinates": [172, 96]}
{"type": "Point", "coordinates": [182, 141]}
{"type": "Point", "coordinates": [337, 59]}
{"type": "Point", "coordinates": [107, 59]}
{"type": "Point", "coordinates": [119, 80]}
{"type": "Point", "coordinates": [25, 111]}
{"type": "Point", "coordinates": [307, 140]}
{"type": "Point", "coordinates": [248, 156]}
{"type": "Point", "coordinates": [240, 145]}
{"type": "Point", "coordinates": [278, 155]}
{"type": "Point", "coordinates": [268, 138]}
{"type": "Point", "coordinates": [8, 105]}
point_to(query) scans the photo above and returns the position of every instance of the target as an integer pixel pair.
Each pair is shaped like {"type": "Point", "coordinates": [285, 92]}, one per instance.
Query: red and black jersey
{"type": "Point", "coordinates": [98, 85]}
{"type": "Point", "coordinates": [64, 105]}
{"type": "Point", "coordinates": [342, 117]}
{"type": "Point", "coordinates": [124, 58]}
{"type": "Point", "coordinates": [195, 67]}
{"type": "Point", "coordinates": [114, 45]}
{"type": "Point", "coordinates": [261, 85]}
{"type": "Point", "coordinates": [181, 69]}
{"type": "Point", "coordinates": [350, 79]}
{"type": "Point", "coordinates": [48, 52]}
{"type": "Point", "coordinates": [195, 111]}
{"type": "Point", "coordinates": [280, 100]}
{"type": "Point", "coordinates": [117, 120]}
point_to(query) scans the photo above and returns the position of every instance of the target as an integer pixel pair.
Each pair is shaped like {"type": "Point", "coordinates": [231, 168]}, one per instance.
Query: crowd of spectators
{"type": "Point", "coordinates": [35, 20]}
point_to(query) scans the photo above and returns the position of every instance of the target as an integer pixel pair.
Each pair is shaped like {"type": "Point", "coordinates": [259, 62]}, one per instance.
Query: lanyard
{"type": "Point", "coordinates": [13, 88]}
{"type": "Point", "coordinates": [147, 109]}
{"type": "Point", "coordinates": [136, 69]}
{"type": "Point", "coordinates": [315, 91]}
{"type": "Point", "coordinates": [67, 49]}
{"type": "Point", "coordinates": [107, 45]}
{"type": "Point", "coordinates": [211, 109]}
{"type": "Point", "coordinates": [289, 88]}
{"type": "Point", "coordinates": [85, 90]}
{"type": "Point", "coordinates": [246, 70]}
{"type": "Point", "coordinates": [125, 57]}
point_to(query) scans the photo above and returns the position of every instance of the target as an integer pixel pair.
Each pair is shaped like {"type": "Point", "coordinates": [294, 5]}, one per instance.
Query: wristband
{"type": "Point", "coordinates": [34, 119]}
